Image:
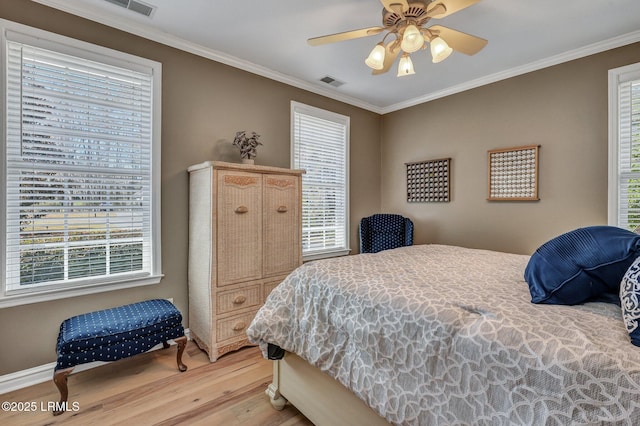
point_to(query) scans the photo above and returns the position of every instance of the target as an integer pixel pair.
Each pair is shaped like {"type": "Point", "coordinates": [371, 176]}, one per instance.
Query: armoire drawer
{"type": "Point", "coordinates": [269, 286]}
{"type": "Point", "coordinates": [234, 326]}
{"type": "Point", "coordinates": [239, 299]}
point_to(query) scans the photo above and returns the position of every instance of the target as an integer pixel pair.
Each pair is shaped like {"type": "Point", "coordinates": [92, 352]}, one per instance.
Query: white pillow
{"type": "Point", "coordinates": [630, 301]}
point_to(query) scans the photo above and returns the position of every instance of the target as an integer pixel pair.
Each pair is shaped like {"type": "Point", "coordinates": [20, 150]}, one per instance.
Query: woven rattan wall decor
{"type": "Point", "coordinates": [428, 181]}
{"type": "Point", "coordinates": [513, 174]}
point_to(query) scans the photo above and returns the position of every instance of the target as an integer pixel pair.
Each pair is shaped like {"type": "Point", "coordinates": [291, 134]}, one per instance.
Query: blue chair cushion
{"type": "Point", "coordinates": [630, 301]}
{"type": "Point", "coordinates": [117, 333]}
{"type": "Point", "coordinates": [584, 265]}
{"type": "Point", "coordinates": [386, 240]}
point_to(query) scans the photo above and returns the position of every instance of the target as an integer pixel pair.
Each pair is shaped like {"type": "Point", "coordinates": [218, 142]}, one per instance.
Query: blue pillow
{"type": "Point", "coordinates": [584, 265]}
{"type": "Point", "coordinates": [630, 301]}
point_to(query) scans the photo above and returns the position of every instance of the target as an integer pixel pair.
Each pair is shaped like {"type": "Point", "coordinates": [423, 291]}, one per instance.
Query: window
{"type": "Point", "coordinates": [320, 145]}
{"type": "Point", "coordinates": [624, 147]}
{"type": "Point", "coordinates": [80, 168]}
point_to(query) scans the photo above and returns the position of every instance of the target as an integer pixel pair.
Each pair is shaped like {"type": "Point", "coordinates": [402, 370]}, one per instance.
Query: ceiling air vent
{"type": "Point", "coordinates": [135, 6]}
{"type": "Point", "coordinates": [332, 81]}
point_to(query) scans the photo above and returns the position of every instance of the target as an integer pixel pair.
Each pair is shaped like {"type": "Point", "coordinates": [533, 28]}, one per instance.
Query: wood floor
{"type": "Point", "coordinates": [148, 389]}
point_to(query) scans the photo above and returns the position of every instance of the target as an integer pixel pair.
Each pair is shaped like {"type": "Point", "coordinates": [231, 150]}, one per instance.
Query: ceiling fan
{"type": "Point", "coordinates": [405, 21]}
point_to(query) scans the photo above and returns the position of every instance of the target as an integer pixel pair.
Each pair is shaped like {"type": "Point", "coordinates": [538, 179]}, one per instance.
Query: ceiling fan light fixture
{"type": "Point", "coordinates": [440, 50]}
{"type": "Point", "coordinates": [405, 67]}
{"type": "Point", "coordinates": [375, 60]}
{"type": "Point", "coordinates": [406, 21]}
{"type": "Point", "coordinates": [412, 39]}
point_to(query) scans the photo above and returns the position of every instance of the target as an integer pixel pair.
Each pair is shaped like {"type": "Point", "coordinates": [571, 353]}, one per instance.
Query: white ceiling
{"type": "Point", "coordinates": [269, 38]}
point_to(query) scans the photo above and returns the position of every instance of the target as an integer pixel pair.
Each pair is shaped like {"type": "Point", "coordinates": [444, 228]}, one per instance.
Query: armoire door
{"type": "Point", "coordinates": [239, 227]}
{"type": "Point", "coordinates": [281, 219]}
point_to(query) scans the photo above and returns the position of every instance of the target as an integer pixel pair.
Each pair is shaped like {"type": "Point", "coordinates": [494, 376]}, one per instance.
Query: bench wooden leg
{"type": "Point", "coordinates": [182, 343]}
{"type": "Point", "coordinates": [60, 379]}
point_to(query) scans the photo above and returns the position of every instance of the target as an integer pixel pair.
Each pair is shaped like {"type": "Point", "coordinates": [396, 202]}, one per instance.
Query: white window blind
{"type": "Point", "coordinates": [79, 171]}
{"type": "Point", "coordinates": [625, 119]}
{"type": "Point", "coordinates": [320, 146]}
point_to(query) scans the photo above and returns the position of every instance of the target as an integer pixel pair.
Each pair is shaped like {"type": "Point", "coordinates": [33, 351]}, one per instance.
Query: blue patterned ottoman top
{"type": "Point", "coordinates": [115, 325]}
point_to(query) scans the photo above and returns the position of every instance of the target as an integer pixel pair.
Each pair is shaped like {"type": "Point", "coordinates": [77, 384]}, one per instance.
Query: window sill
{"type": "Point", "coordinates": [46, 296]}
{"type": "Point", "coordinates": [325, 254]}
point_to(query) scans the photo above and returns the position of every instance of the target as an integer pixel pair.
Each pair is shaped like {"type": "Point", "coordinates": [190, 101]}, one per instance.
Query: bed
{"type": "Point", "coordinates": [435, 335]}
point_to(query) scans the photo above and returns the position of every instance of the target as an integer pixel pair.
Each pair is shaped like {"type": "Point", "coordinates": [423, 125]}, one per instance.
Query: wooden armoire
{"type": "Point", "coordinates": [245, 225]}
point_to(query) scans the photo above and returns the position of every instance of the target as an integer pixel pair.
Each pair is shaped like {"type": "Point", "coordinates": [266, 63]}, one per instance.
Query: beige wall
{"type": "Point", "coordinates": [203, 104]}
{"type": "Point", "coordinates": [562, 108]}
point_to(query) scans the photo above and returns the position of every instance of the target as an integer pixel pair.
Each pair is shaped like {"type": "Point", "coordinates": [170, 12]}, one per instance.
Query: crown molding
{"type": "Point", "coordinates": [571, 55]}
{"type": "Point", "coordinates": [196, 49]}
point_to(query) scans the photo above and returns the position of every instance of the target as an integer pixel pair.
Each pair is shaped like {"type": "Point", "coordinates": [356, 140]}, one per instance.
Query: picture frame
{"type": "Point", "coordinates": [429, 181]}
{"type": "Point", "coordinates": [513, 174]}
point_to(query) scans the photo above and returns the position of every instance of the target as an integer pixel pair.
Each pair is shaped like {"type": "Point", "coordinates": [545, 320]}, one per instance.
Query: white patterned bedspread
{"type": "Point", "coordinates": [441, 335]}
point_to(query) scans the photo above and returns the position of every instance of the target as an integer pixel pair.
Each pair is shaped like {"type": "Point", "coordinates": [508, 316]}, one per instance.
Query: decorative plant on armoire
{"type": "Point", "coordinates": [247, 145]}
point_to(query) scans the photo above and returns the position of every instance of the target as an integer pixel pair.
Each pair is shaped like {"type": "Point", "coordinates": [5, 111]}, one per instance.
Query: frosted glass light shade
{"type": "Point", "coordinates": [440, 50]}
{"type": "Point", "coordinates": [405, 67]}
{"type": "Point", "coordinates": [412, 39]}
{"type": "Point", "coordinates": [375, 60]}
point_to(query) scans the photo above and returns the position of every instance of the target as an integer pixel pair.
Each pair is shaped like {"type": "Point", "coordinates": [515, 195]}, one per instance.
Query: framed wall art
{"type": "Point", "coordinates": [513, 174]}
{"type": "Point", "coordinates": [428, 181]}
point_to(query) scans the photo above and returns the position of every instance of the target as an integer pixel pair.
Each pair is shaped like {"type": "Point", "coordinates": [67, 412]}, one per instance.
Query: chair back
{"type": "Point", "coordinates": [385, 231]}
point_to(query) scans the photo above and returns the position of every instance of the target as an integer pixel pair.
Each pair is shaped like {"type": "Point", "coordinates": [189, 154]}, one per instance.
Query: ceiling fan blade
{"type": "Point", "coordinates": [396, 6]}
{"type": "Point", "coordinates": [457, 40]}
{"type": "Point", "coordinates": [348, 35]}
{"type": "Point", "coordinates": [436, 9]}
{"type": "Point", "coordinates": [391, 51]}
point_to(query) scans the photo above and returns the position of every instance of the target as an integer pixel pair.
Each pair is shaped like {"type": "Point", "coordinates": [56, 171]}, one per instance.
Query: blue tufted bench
{"type": "Point", "coordinates": [116, 333]}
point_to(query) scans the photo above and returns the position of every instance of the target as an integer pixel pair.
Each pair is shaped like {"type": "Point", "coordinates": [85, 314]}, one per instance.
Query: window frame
{"type": "Point", "coordinates": [615, 77]}
{"type": "Point", "coordinates": [11, 31]}
{"type": "Point", "coordinates": [297, 107]}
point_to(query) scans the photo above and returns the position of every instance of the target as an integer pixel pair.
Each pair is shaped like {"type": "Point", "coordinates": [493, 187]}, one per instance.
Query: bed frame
{"type": "Point", "coordinates": [320, 398]}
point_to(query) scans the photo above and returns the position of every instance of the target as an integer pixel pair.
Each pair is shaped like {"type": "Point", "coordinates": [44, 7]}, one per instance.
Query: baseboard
{"type": "Point", "coordinates": [44, 373]}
